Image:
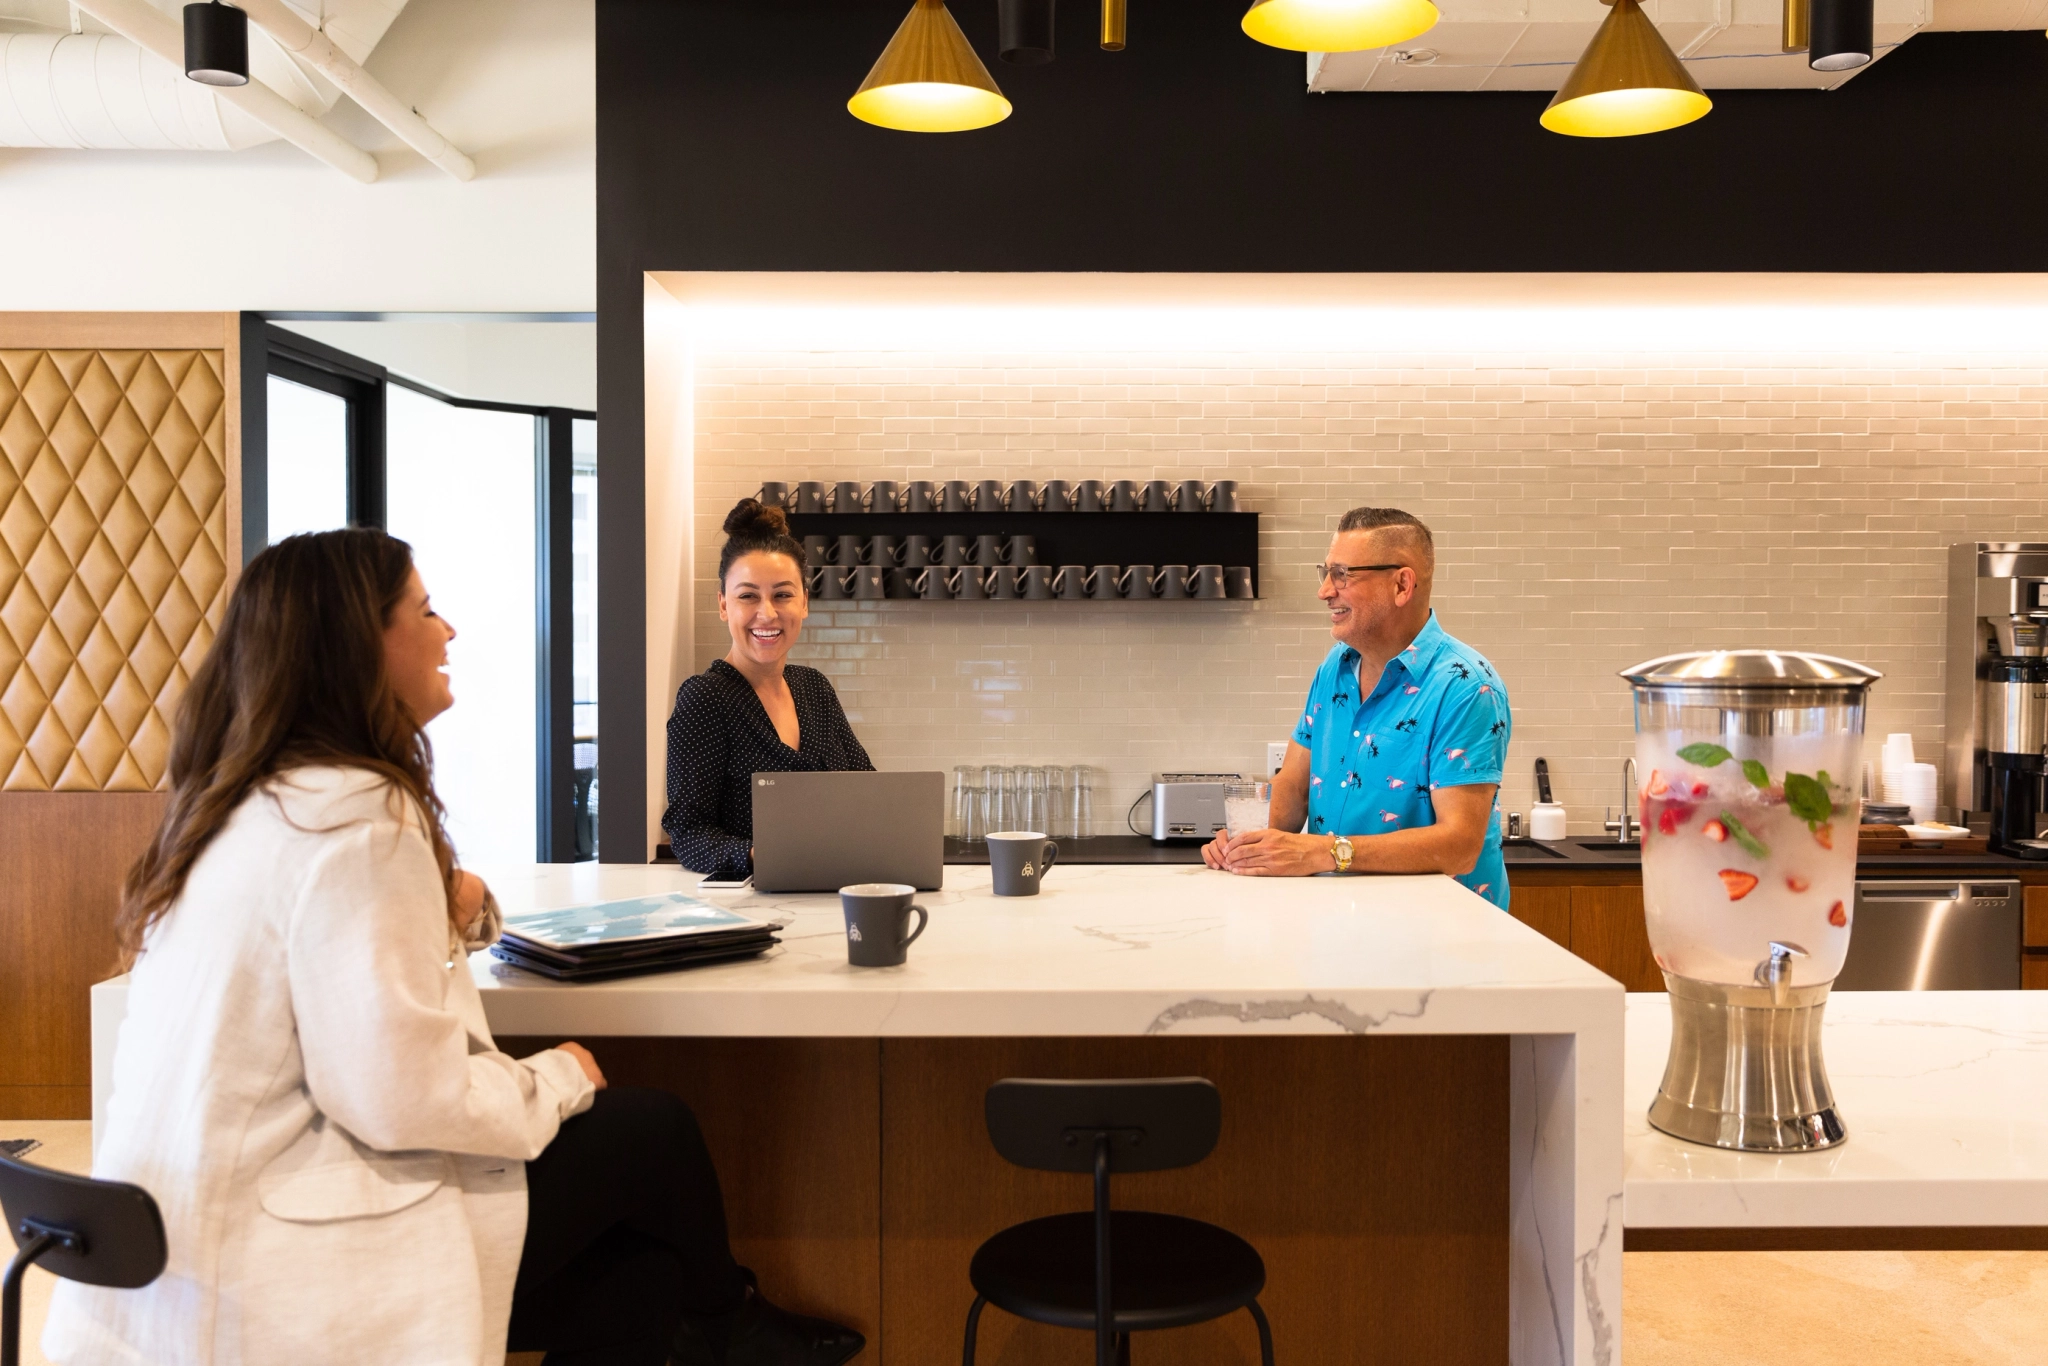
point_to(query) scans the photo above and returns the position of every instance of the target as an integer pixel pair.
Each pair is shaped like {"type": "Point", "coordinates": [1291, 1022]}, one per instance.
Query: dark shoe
{"type": "Point", "coordinates": [759, 1333]}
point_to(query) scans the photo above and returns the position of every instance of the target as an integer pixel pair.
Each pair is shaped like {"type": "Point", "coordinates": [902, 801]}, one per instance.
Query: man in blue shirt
{"type": "Point", "coordinates": [1396, 762]}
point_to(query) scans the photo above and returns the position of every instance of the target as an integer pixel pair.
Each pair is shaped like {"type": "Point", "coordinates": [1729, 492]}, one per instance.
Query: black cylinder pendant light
{"type": "Point", "coordinates": [1024, 31]}
{"type": "Point", "coordinates": [1839, 34]}
{"type": "Point", "coordinates": [216, 44]}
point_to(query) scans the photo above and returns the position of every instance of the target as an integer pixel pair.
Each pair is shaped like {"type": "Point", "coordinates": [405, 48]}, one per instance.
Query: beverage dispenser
{"type": "Point", "coordinates": [1750, 763]}
{"type": "Point", "coordinates": [1997, 750]}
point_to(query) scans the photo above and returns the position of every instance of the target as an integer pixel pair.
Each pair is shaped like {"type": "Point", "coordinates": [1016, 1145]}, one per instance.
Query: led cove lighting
{"type": "Point", "coordinates": [1337, 25]}
{"type": "Point", "coordinates": [928, 79]}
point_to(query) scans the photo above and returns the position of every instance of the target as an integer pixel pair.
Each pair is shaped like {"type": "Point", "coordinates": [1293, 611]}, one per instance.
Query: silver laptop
{"type": "Point", "coordinates": [818, 832]}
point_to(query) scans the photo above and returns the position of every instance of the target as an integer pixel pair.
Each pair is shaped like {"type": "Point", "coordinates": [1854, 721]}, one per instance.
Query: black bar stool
{"type": "Point", "coordinates": [1117, 1272]}
{"type": "Point", "coordinates": [98, 1232]}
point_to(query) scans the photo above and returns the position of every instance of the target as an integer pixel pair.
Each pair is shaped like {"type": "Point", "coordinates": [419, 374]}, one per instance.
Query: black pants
{"type": "Point", "coordinates": [625, 1234]}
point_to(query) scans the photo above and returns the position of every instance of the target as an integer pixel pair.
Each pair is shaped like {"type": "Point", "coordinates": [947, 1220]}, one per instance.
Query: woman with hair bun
{"type": "Point", "coordinates": [752, 711]}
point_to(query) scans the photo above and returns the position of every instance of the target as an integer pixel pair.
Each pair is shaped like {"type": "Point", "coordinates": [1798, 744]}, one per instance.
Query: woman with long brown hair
{"type": "Point", "coordinates": [348, 1168]}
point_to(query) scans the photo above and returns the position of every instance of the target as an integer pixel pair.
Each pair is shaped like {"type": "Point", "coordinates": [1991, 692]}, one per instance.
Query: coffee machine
{"type": "Point", "coordinates": [1996, 758]}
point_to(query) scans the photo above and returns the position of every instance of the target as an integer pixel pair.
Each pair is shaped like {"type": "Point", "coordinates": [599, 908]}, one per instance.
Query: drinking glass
{"type": "Point", "coordinates": [999, 796]}
{"type": "Point", "coordinates": [967, 814]}
{"type": "Point", "coordinates": [1059, 814]}
{"type": "Point", "coordinates": [1081, 801]}
{"type": "Point", "coordinates": [1247, 806]}
{"type": "Point", "coordinates": [1031, 809]}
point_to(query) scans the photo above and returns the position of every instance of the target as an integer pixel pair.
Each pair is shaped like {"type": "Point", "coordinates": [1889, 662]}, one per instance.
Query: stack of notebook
{"type": "Point", "coordinates": [620, 938]}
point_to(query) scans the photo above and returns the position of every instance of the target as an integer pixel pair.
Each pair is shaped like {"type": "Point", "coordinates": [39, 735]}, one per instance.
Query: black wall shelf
{"type": "Point", "coordinates": [1084, 538]}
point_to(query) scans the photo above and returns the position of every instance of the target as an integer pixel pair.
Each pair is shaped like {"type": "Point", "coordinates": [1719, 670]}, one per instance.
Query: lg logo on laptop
{"type": "Point", "coordinates": [764, 782]}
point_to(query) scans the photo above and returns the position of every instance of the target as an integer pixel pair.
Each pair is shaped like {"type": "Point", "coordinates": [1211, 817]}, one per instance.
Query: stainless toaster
{"type": "Point", "coordinates": [1188, 805]}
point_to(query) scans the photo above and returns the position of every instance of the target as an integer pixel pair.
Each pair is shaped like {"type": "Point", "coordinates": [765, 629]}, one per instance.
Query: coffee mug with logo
{"type": "Point", "coordinates": [920, 496]}
{"type": "Point", "coordinates": [881, 550]}
{"type": "Point", "coordinates": [837, 582]}
{"type": "Point", "coordinates": [988, 551]}
{"type": "Point", "coordinates": [1223, 496]}
{"type": "Point", "coordinates": [845, 550]}
{"type": "Point", "coordinates": [953, 551]}
{"type": "Point", "coordinates": [1088, 496]}
{"type": "Point", "coordinates": [817, 551]}
{"type": "Point", "coordinates": [1002, 582]}
{"type": "Point", "coordinates": [1057, 495]}
{"type": "Point", "coordinates": [932, 584]}
{"type": "Point", "coordinates": [878, 933]}
{"type": "Point", "coordinates": [988, 496]}
{"type": "Point", "coordinates": [1136, 581]}
{"type": "Point", "coordinates": [1208, 581]}
{"type": "Point", "coordinates": [846, 496]}
{"type": "Point", "coordinates": [1188, 496]}
{"type": "Point", "coordinates": [902, 583]}
{"type": "Point", "coordinates": [868, 584]}
{"type": "Point", "coordinates": [956, 495]}
{"type": "Point", "coordinates": [1023, 550]}
{"type": "Point", "coordinates": [1237, 581]}
{"type": "Point", "coordinates": [774, 495]}
{"type": "Point", "coordinates": [1071, 582]}
{"type": "Point", "coordinates": [1103, 581]}
{"type": "Point", "coordinates": [1022, 497]}
{"type": "Point", "coordinates": [969, 582]}
{"type": "Point", "coordinates": [884, 495]}
{"type": "Point", "coordinates": [1124, 495]}
{"type": "Point", "coordinates": [810, 497]}
{"type": "Point", "coordinates": [1036, 581]}
{"type": "Point", "coordinates": [1157, 496]}
{"type": "Point", "coordinates": [1173, 580]}
{"type": "Point", "coordinates": [917, 551]}
{"type": "Point", "coordinates": [1017, 860]}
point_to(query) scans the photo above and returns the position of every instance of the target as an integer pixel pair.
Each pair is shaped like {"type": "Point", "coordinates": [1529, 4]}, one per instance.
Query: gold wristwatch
{"type": "Point", "coordinates": [1340, 850]}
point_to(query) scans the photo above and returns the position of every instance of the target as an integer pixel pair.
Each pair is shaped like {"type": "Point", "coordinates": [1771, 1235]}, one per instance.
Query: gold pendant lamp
{"type": "Point", "coordinates": [1337, 25]}
{"type": "Point", "coordinates": [928, 79]}
{"type": "Point", "coordinates": [1628, 81]}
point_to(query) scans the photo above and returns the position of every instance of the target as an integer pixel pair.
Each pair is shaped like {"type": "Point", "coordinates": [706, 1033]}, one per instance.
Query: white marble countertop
{"type": "Point", "coordinates": [1945, 1096]}
{"type": "Point", "coordinates": [1102, 950]}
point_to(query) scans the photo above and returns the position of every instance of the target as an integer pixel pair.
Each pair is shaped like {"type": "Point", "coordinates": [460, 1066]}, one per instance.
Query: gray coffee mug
{"type": "Point", "coordinates": [917, 551]}
{"type": "Point", "coordinates": [1237, 581]}
{"type": "Point", "coordinates": [868, 583]}
{"type": "Point", "coordinates": [1102, 581]}
{"type": "Point", "coordinates": [1157, 497]}
{"type": "Point", "coordinates": [1022, 496]}
{"type": "Point", "coordinates": [1208, 582]}
{"type": "Point", "coordinates": [1003, 582]}
{"type": "Point", "coordinates": [1173, 580]}
{"type": "Point", "coordinates": [988, 551]}
{"type": "Point", "coordinates": [902, 583]}
{"type": "Point", "coordinates": [1223, 496]}
{"type": "Point", "coordinates": [884, 495]}
{"type": "Point", "coordinates": [953, 551]}
{"type": "Point", "coordinates": [1088, 496]}
{"type": "Point", "coordinates": [1018, 860]}
{"type": "Point", "coordinates": [810, 497]}
{"type": "Point", "coordinates": [1124, 495]}
{"type": "Point", "coordinates": [1136, 581]}
{"type": "Point", "coordinates": [956, 495]}
{"type": "Point", "coordinates": [836, 583]}
{"type": "Point", "coordinates": [1037, 581]}
{"type": "Point", "coordinates": [877, 916]}
{"type": "Point", "coordinates": [969, 582]}
{"type": "Point", "coordinates": [881, 550]}
{"type": "Point", "coordinates": [988, 496]}
{"type": "Point", "coordinates": [1187, 496]}
{"type": "Point", "coordinates": [1057, 495]}
{"type": "Point", "coordinates": [919, 496]}
{"type": "Point", "coordinates": [846, 496]}
{"type": "Point", "coordinates": [1071, 582]}
{"type": "Point", "coordinates": [846, 549]}
{"type": "Point", "coordinates": [1023, 550]}
{"type": "Point", "coordinates": [817, 550]}
{"type": "Point", "coordinates": [932, 585]}
{"type": "Point", "coordinates": [774, 495]}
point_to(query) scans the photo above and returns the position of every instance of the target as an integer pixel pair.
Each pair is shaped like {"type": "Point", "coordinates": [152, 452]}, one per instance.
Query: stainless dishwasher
{"type": "Point", "coordinates": [1934, 934]}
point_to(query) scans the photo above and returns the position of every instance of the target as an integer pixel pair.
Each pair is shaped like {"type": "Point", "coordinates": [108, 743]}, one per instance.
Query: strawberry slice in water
{"type": "Point", "coordinates": [1796, 882]}
{"type": "Point", "coordinates": [1715, 831]}
{"type": "Point", "coordinates": [1837, 916]}
{"type": "Point", "coordinates": [1658, 787]}
{"type": "Point", "coordinates": [1738, 883]}
{"type": "Point", "coordinates": [1824, 834]}
{"type": "Point", "coordinates": [1667, 821]}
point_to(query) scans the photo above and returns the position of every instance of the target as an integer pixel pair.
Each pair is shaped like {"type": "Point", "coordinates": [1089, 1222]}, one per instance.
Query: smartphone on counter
{"type": "Point", "coordinates": [715, 885]}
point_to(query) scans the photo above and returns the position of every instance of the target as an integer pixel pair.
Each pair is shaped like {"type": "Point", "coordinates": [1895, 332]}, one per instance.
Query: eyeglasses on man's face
{"type": "Point", "coordinates": [1341, 574]}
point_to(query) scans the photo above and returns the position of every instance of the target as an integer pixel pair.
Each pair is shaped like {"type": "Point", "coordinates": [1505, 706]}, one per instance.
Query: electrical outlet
{"type": "Point", "coordinates": [1276, 755]}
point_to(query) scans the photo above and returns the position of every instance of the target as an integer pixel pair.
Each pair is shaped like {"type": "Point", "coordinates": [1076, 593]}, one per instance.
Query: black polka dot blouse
{"type": "Point", "coordinates": [719, 737]}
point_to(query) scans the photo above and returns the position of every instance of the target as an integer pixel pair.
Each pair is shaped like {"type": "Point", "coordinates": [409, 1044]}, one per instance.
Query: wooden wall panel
{"type": "Point", "coordinates": [1546, 910]}
{"type": "Point", "coordinates": [1371, 1174]}
{"type": "Point", "coordinates": [65, 854]}
{"type": "Point", "coordinates": [1609, 931]}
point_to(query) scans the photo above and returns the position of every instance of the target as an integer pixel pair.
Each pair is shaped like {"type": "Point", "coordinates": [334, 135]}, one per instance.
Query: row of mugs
{"type": "Point", "coordinates": [916, 552]}
{"type": "Point", "coordinates": [1033, 583]}
{"type": "Point", "coordinates": [992, 495]}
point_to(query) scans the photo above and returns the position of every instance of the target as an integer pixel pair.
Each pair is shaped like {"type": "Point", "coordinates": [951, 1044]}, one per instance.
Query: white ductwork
{"type": "Point", "coordinates": [107, 90]}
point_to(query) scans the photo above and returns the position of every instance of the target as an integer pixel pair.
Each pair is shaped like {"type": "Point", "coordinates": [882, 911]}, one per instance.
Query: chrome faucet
{"type": "Point", "coordinates": [1625, 830]}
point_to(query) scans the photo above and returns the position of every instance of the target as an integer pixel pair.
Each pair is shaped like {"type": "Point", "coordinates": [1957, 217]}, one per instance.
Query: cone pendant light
{"type": "Point", "coordinates": [928, 79]}
{"type": "Point", "coordinates": [1628, 81]}
{"type": "Point", "coordinates": [1337, 25]}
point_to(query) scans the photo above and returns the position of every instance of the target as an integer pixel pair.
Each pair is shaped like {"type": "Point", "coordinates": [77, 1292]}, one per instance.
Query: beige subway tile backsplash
{"type": "Point", "coordinates": [1590, 511]}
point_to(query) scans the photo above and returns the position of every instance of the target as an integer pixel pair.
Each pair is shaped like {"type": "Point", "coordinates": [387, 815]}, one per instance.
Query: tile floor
{"type": "Point", "coordinates": [1678, 1308]}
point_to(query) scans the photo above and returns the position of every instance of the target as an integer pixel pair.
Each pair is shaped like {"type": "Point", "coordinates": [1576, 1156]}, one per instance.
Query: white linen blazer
{"type": "Point", "coordinates": [306, 1084]}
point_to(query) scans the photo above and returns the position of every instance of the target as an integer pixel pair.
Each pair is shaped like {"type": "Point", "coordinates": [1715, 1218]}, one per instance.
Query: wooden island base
{"type": "Point", "coordinates": [1371, 1174]}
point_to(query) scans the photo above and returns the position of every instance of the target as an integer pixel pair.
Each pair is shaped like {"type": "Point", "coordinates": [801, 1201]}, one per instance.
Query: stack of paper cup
{"type": "Point", "coordinates": [1908, 782]}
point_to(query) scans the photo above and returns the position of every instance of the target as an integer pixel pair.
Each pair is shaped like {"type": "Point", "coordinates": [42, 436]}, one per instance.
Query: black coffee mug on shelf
{"type": "Point", "coordinates": [956, 495]}
{"type": "Point", "coordinates": [917, 551]}
{"type": "Point", "coordinates": [1223, 496]}
{"type": "Point", "coordinates": [837, 583]}
{"type": "Point", "coordinates": [878, 933]}
{"type": "Point", "coordinates": [1023, 550]}
{"type": "Point", "coordinates": [1102, 581]}
{"type": "Point", "coordinates": [1136, 581]}
{"type": "Point", "coordinates": [1173, 581]}
{"type": "Point", "coordinates": [1156, 497]}
{"type": "Point", "coordinates": [868, 583]}
{"type": "Point", "coordinates": [1208, 581]}
{"type": "Point", "coordinates": [988, 551]}
{"type": "Point", "coordinates": [1070, 584]}
{"type": "Point", "coordinates": [902, 583]}
{"type": "Point", "coordinates": [919, 495]}
{"type": "Point", "coordinates": [1018, 859]}
{"type": "Point", "coordinates": [846, 496]}
{"type": "Point", "coordinates": [1022, 496]}
{"type": "Point", "coordinates": [846, 549]}
{"type": "Point", "coordinates": [1188, 496]}
{"type": "Point", "coordinates": [1124, 495]}
{"type": "Point", "coordinates": [774, 495]}
{"type": "Point", "coordinates": [1088, 496]}
{"type": "Point", "coordinates": [988, 496]}
{"type": "Point", "coordinates": [1237, 581]}
{"type": "Point", "coordinates": [969, 582]}
{"type": "Point", "coordinates": [810, 498]}
{"type": "Point", "coordinates": [817, 551]}
{"type": "Point", "coordinates": [1057, 495]}
{"type": "Point", "coordinates": [881, 550]}
{"type": "Point", "coordinates": [954, 551]}
{"type": "Point", "coordinates": [1035, 582]}
{"type": "Point", "coordinates": [884, 495]}
{"type": "Point", "coordinates": [932, 585]}
{"type": "Point", "coordinates": [1002, 583]}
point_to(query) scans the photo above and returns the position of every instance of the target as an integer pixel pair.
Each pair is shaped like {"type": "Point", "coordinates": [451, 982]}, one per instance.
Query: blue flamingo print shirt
{"type": "Point", "coordinates": [1437, 718]}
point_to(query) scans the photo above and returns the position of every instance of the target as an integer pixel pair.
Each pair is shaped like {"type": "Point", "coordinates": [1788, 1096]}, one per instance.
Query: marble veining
{"type": "Point", "coordinates": [1262, 1012]}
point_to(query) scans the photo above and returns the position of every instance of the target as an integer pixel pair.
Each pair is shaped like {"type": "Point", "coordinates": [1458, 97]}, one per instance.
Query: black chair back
{"type": "Point", "coordinates": [97, 1232]}
{"type": "Point", "coordinates": [1153, 1124]}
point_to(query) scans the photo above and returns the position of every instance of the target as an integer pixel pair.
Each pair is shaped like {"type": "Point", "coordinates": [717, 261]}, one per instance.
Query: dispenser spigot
{"type": "Point", "coordinates": [1775, 972]}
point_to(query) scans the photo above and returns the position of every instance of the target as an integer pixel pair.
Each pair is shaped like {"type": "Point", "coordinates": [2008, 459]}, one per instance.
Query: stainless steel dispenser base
{"type": "Point", "coordinates": [1745, 1070]}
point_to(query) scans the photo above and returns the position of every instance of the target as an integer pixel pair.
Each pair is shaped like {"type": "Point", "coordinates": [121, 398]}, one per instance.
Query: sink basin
{"type": "Point", "coordinates": [1610, 846]}
{"type": "Point", "coordinates": [1522, 847]}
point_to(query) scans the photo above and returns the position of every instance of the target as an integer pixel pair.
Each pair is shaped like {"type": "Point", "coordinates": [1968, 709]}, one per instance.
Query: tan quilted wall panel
{"type": "Point", "coordinates": [114, 557]}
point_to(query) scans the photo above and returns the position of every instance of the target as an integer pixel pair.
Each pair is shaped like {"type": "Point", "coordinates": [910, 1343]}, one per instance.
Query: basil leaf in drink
{"type": "Point", "coordinates": [1751, 845]}
{"type": "Point", "coordinates": [1758, 775]}
{"type": "Point", "coordinates": [1808, 798]}
{"type": "Point", "coordinates": [1704, 754]}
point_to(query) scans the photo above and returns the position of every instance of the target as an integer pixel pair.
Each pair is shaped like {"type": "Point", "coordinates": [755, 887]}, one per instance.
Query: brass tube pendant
{"type": "Point", "coordinates": [1113, 19]}
{"type": "Point", "coordinates": [1798, 25]}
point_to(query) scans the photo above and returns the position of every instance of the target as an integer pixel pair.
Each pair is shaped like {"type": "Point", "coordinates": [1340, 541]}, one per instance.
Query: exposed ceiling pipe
{"type": "Point", "coordinates": [302, 40]}
{"type": "Point", "coordinates": [148, 27]}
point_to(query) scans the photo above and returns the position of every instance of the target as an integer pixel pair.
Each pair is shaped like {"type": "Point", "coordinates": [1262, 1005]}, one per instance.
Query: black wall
{"type": "Point", "coordinates": [724, 144]}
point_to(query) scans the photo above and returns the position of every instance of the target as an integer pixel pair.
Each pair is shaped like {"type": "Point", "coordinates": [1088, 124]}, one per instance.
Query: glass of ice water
{"type": "Point", "coordinates": [1247, 806]}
